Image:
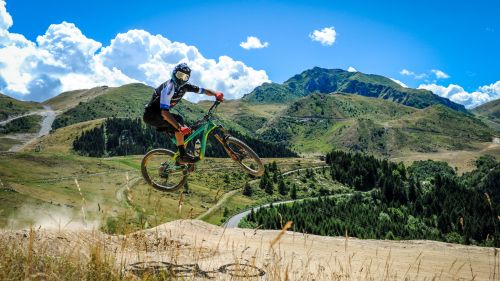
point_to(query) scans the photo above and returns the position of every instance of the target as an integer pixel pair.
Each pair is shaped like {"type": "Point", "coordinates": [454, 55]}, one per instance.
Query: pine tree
{"type": "Point", "coordinates": [247, 190]}
{"type": "Point", "coordinates": [264, 180]}
{"type": "Point", "coordinates": [282, 187]}
{"type": "Point", "coordinates": [293, 193]}
{"type": "Point", "coordinates": [269, 188]}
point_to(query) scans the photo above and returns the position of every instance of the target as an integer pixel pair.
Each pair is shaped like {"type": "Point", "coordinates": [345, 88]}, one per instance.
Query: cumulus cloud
{"type": "Point", "coordinates": [458, 94]}
{"type": "Point", "coordinates": [253, 43]}
{"type": "Point", "coordinates": [420, 76]}
{"type": "Point", "coordinates": [65, 59]}
{"type": "Point", "coordinates": [352, 69]}
{"type": "Point", "coordinates": [325, 36]}
{"type": "Point", "coordinates": [5, 18]}
{"type": "Point", "coordinates": [440, 74]}
{"type": "Point", "coordinates": [399, 82]}
{"type": "Point", "coordinates": [407, 72]}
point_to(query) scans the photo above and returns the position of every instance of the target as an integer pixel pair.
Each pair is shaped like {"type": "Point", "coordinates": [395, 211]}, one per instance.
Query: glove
{"type": "Point", "coordinates": [219, 96]}
{"type": "Point", "coordinates": [185, 130]}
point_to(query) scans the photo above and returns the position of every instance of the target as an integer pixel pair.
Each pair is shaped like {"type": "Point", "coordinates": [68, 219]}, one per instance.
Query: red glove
{"type": "Point", "coordinates": [185, 130]}
{"type": "Point", "coordinates": [219, 96]}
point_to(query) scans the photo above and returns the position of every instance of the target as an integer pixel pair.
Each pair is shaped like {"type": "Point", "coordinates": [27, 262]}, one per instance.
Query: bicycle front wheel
{"type": "Point", "coordinates": [160, 170]}
{"type": "Point", "coordinates": [245, 156]}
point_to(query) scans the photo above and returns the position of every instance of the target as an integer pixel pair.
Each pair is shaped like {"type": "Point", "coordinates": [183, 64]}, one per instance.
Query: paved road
{"type": "Point", "coordinates": [235, 220]}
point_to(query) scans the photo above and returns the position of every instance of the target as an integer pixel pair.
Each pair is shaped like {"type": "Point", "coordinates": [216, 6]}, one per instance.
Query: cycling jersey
{"type": "Point", "coordinates": [167, 95]}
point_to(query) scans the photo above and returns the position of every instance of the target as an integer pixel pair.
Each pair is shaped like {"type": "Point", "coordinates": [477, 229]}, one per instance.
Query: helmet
{"type": "Point", "coordinates": [180, 74]}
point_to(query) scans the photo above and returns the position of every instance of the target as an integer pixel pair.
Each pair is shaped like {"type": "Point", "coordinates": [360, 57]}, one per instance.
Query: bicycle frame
{"type": "Point", "coordinates": [204, 129]}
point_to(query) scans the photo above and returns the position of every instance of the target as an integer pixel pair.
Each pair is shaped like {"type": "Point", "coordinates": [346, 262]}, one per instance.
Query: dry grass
{"type": "Point", "coordinates": [192, 250]}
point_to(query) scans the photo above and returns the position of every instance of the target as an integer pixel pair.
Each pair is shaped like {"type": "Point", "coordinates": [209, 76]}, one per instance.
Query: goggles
{"type": "Point", "coordinates": [182, 76]}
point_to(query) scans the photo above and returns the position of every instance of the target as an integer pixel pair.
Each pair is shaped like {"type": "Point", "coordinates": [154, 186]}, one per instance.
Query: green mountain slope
{"type": "Point", "coordinates": [318, 123]}
{"type": "Point", "coordinates": [124, 101]}
{"type": "Point", "coordinates": [489, 113]}
{"type": "Point", "coordinates": [11, 107]}
{"type": "Point", "coordinates": [71, 99]}
{"type": "Point", "coordinates": [320, 80]}
{"type": "Point", "coordinates": [128, 101]}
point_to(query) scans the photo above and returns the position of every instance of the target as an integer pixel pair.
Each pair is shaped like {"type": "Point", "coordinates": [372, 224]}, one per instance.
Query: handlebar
{"type": "Point", "coordinates": [213, 107]}
{"type": "Point", "coordinates": [209, 113]}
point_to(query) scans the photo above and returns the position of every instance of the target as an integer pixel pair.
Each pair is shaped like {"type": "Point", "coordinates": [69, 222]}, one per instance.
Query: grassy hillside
{"type": "Point", "coordinates": [127, 101]}
{"type": "Point", "coordinates": [250, 116]}
{"type": "Point", "coordinates": [71, 99]}
{"type": "Point", "coordinates": [124, 101]}
{"type": "Point", "coordinates": [490, 113]}
{"type": "Point", "coordinates": [320, 80]}
{"type": "Point", "coordinates": [27, 124]}
{"type": "Point", "coordinates": [40, 187]}
{"type": "Point", "coordinates": [318, 123]}
{"type": "Point", "coordinates": [61, 140]}
{"type": "Point", "coordinates": [13, 107]}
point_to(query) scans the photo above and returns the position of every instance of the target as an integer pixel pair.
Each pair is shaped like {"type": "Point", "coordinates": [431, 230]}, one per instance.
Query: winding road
{"type": "Point", "coordinates": [230, 194]}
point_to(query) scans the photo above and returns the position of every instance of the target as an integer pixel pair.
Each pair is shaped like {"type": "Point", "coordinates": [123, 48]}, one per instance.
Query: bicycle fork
{"type": "Point", "coordinates": [222, 140]}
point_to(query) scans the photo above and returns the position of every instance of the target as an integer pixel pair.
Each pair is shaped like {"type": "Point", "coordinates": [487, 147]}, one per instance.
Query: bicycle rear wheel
{"type": "Point", "coordinates": [159, 170]}
{"type": "Point", "coordinates": [245, 156]}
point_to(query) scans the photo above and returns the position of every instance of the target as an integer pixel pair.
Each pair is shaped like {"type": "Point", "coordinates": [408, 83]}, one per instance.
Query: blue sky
{"type": "Point", "coordinates": [458, 39]}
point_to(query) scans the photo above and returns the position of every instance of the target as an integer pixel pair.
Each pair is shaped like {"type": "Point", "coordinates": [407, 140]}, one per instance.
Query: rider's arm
{"type": "Point", "coordinates": [170, 119]}
{"type": "Point", "coordinates": [209, 92]}
{"type": "Point", "coordinates": [199, 90]}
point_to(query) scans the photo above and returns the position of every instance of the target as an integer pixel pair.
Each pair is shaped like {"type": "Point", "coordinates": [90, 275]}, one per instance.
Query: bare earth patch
{"type": "Point", "coordinates": [194, 250]}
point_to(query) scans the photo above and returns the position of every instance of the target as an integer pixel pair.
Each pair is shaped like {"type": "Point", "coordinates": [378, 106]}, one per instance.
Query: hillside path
{"type": "Point", "coordinates": [48, 115]}
{"type": "Point", "coordinates": [230, 194]}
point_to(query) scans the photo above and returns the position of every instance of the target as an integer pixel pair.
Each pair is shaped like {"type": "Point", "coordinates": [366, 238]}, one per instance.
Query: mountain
{"type": "Point", "coordinates": [124, 101]}
{"type": "Point", "coordinates": [127, 101]}
{"type": "Point", "coordinates": [321, 80]}
{"type": "Point", "coordinates": [71, 99]}
{"type": "Point", "coordinates": [12, 107]}
{"type": "Point", "coordinates": [489, 113]}
{"type": "Point", "coordinates": [319, 122]}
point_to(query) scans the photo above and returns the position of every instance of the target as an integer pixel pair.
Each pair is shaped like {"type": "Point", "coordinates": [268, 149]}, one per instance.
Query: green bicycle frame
{"type": "Point", "coordinates": [204, 129]}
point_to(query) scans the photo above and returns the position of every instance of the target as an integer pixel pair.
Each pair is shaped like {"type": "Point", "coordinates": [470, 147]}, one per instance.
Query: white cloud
{"type": "Point", "coordinates": [457, 93]}
{"type": "Point", "coordinates": [399, 82]}
{"type": "Point", "coordinates": [440, 74]}
{"type": "Point", "coordinates": [5, 18]}
{"type": "Point", "coordinates": [326, 36]}
{"type": "Point", "coordinates": [420, 76]}
{"type": "Point", "coordinates": [407, 72]}
{"type": "Point", "coordinates": [352, 69]}
{"type": "Point", "coordinates": [65, 59]}
{"type": "Point", "coordinates": [151, 58]}
{"type": "Point", "coordinates": [253, 43]}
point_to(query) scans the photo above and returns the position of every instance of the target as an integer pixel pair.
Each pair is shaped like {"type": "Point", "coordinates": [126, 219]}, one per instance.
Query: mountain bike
{"type": "Point", "coordinates": [161, 170]}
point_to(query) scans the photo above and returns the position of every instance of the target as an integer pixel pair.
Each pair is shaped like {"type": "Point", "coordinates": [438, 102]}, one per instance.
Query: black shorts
{"type": "Point", "coordinates": [154, 118]}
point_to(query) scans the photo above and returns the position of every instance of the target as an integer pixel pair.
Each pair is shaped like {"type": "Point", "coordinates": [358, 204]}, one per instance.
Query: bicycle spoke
{"type": "Point", "coordinates": [162, 170]}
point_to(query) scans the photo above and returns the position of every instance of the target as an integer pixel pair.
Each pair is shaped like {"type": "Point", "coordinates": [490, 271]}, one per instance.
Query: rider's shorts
{"type": "Point", "coordinates": [154, 118]}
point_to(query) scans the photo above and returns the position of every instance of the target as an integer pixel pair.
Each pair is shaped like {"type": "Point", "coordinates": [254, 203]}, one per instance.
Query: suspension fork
{"type": "Point", "coordinates": [222, 141]}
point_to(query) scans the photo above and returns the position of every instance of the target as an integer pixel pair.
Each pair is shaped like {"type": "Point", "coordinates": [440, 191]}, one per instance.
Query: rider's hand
{"type": "Point", "coordinates": [185, 130]}
{"type": "Point", "coordinates": [219, 96]}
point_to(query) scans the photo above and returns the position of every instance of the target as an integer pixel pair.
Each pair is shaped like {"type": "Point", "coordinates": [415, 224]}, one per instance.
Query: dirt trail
{"type": "Point", "coordinates": [195, 250]}
{"type": "Point", "coordinates": [230, 194]}
{"type": "Point", "coordinates": [48, 115]}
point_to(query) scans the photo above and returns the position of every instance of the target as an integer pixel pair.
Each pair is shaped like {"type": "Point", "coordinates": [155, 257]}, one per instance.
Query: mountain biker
{"type": "Point", "coordinates": [166, 96]}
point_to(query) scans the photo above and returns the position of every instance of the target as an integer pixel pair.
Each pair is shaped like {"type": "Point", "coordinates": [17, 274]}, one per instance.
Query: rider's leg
{"type": "Point", "coordinates": [180, 143]}
{"type": "Point", "coordinates": [184, 157]}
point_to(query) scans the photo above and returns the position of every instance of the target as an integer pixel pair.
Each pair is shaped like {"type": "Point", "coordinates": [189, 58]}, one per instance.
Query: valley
{"type": "Point", "coordinates": [49, 180]}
